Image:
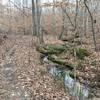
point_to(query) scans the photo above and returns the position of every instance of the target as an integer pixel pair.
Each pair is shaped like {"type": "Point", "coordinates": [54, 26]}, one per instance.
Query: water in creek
{"type": "Point", "coordinates": [75, 88]}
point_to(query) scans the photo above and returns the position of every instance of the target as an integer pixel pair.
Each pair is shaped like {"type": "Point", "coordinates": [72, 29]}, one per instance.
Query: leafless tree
{"type": "Point", "coordinates": [92, 22]}
{"type": "Point", "coordinates": [34, 16]}
{"type": "Point", "coordinates": [63, 21]}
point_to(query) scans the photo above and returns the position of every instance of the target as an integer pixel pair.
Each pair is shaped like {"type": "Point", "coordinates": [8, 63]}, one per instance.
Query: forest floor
{"type": "Point", "coordinates": [22, 77]}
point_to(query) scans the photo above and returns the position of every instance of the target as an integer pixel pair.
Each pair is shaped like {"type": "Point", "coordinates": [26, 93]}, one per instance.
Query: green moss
{"type": "Point", "coordinates": [80, 65]}
{"type": "Point", "coordinates": [61, 62]}
{"type": "Point", "coordinates": [81, 53]}
{"type": "Point", "coordinates": [51, 49]}
{"type": "Point", "coordinates": [72, 75]}
{"type": "Point", "coordinates": [94, 63]}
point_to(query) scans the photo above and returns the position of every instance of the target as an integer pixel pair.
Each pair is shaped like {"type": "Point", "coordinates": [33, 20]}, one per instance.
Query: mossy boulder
{"type": "Point", "coordinates": [74, 75]}
{"type": "Point", "coordinates": [61, 62]}
{"type": "Point", "coordinates": [81, 53]}
{"type": "Point", "coordinates": [51, 48]}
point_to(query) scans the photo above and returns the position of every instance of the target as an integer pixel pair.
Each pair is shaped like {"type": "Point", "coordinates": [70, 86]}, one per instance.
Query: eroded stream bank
{"type": "Point", "coordinates": [78, 83]}
{"type": "Point", "coordinates": [74, 88]}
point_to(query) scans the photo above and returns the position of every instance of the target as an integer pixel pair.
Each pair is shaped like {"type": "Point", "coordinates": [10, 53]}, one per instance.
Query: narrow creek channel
{"type": "Point", "coordinates": [75, 89]}
{"type": "Point", "coordinates": [14, 90]}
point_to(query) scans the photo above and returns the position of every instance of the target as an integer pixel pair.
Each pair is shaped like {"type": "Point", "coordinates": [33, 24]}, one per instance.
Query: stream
{"type": "Point", "coordinates": [74, 88]}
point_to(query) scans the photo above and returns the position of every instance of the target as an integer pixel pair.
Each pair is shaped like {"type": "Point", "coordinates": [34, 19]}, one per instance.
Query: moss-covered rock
{"type": "Point", "coordinates": [51, 49]}
{"type": "Point", "coordinates": [81, 53]}
{"type": "Point", "coordinates": [72, 74]}
{"type": "Point", "coordinates": [61, 62]}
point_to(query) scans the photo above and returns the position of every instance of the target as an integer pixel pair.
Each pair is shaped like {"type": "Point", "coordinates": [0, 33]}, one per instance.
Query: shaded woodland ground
{"type": "Point", "coordinates": [23, 47]}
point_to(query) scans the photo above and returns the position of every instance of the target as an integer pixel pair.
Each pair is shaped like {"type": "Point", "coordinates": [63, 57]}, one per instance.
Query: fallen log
{"type": "Point", "coordinates": [51, 49]}
{"type": "Point", "coordinates": [61, 62]}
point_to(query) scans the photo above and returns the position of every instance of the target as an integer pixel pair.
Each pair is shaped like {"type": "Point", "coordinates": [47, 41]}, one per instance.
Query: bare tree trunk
{"type": "Point", "coordinates": [85, 24]}
{"type": "Point", "coordinates": [92, 22]}
{"type": "Point", "coordinates": [9, 16]}
{"type": "Point", "coordinates": [34, 17]}
{"type": "Point", "coordinates": [53, 18]}
{"type": "Point", "coordinates": [36, 14]}
{"type": "Point", "coordinates": [76, 14]}
{"type": "Point", "coordinates": [68, 17]}
{"type": "Point", "coordinates": [24, 24]}
{"type": "Point", "coordinates": [63, 20]}
{"type": "Point", "coordinates": [39, 11]}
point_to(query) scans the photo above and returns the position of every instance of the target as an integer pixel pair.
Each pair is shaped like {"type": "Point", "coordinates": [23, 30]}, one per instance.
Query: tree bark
{"type": "Point", "coordinates": [92, 23]}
